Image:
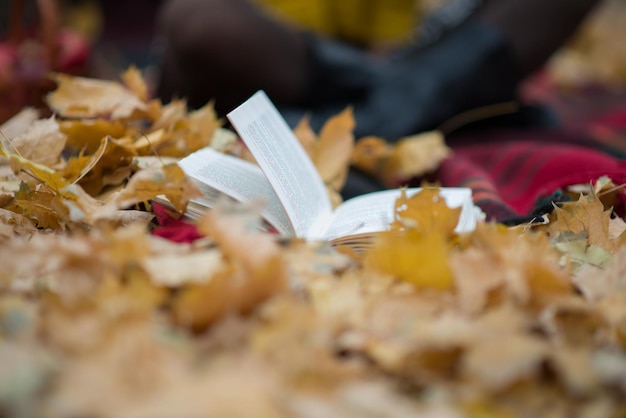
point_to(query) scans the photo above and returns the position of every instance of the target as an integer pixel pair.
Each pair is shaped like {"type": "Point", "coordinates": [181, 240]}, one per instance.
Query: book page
{"type": "Point", "coordinates": [373, 212]}
{"type": "Point", "coordinates": [284, 162]}
{"type": "Point", "coordinates": [238, 179]}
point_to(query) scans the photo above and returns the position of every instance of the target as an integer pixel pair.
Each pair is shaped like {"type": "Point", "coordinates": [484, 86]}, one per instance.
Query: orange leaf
{"type": "Point", "coordinates": [426, 210]}
{"type": "Point", "coordinates": [333, 151]}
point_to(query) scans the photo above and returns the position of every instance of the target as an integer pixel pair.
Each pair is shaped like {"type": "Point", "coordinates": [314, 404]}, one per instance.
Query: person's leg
{"type": "Point", "coordinates": [478, 64]}
{"type": "Point", "coordinates": [226, 50]}
{"type": "Point", "coordinates": [535, 29]}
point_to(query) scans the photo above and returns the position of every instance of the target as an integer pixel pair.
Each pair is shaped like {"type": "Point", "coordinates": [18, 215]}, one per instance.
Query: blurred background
{"type": "Point", "coordinates": [101, 38]}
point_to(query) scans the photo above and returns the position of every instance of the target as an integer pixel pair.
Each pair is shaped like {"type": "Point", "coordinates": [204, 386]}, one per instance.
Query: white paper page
{"type": "Point", "coordinates": [283, 161]}
{"type": "Point", "coordinates": [373, 212]}
{"type": "Point", "coordinates": [238, 179]}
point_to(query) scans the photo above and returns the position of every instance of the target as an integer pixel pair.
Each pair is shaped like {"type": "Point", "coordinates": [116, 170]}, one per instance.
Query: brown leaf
{"type": "Point", "coordinates": [414, 156]}
{"type": "Point", "coordinates": [13, 224]}
{"type": "Point", "coordinates": [395, 164]}
{"type": "Point", "coordinates": [306, 136]}
{"type": "Point", "coordinates": [79, 97]}
{"type": "Point", "coordinates": [255, 271]}
{"type": "Point", "coordinates": [332, 152]}
{"type": "Point", "coordinates": [41, 142]}
{"type": "Point", "coordinates": [113, 155]}
{"type": "Point", "coordinates": [505, 265]}
{"type": "Point", "coordinates": [586, 215]}
{"type": "Point", "coordinates": [134, 81]}
{"type": "Point", "coordinates": [147, 184]}
{"type": "Point", "coordinates": [44, 174]}
{"type": "Point", "coordinates": [19, 123]}
{"type": "Point", "coordinates": [600, 283]}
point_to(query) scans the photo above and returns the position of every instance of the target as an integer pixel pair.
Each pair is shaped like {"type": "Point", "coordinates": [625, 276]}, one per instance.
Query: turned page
{"type": "Point", "coordinates": [283, 161]}
{"type": "Point", "coordinates": [238, 179]}
{"type": "Point", "coordinates": [374, 212]}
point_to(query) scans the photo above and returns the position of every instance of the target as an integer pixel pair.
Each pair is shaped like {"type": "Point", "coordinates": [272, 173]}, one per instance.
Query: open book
{"type": "Point", "coordinates": [296, 201]}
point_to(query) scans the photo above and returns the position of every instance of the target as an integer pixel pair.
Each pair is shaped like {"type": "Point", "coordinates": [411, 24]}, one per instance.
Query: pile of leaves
{"type": "Point", "coordinates": [596, 56]}
{"type": "Point", "coordinates": [100, 318]}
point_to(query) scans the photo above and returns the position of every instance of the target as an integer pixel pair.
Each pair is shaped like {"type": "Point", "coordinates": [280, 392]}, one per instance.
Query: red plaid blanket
{"type": "Point", "coordinates": [515, 173]}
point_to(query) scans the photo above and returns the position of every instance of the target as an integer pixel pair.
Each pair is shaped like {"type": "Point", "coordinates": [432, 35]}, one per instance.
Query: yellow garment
{"type": "Point", "coordinates": [360, 21]}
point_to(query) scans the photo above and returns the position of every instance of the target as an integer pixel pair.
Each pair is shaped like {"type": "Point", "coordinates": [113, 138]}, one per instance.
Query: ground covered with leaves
{"type": "Point", "coordinates": [100, 317]}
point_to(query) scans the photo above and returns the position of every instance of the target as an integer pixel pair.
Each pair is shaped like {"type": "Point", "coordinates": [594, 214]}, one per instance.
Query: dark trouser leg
{"type": "Point", "coordinates": [226, 50]}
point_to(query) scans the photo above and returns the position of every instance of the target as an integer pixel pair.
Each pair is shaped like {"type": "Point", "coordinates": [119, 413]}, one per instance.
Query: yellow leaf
{"type": "Point", "coordinates": [416, 257]}
{"type": "Point", "coordinates": [87, 135]}
{"type": "Point", "coordinates": [425, 210]}
{"type": "Point", "coordinates": [53, 179]}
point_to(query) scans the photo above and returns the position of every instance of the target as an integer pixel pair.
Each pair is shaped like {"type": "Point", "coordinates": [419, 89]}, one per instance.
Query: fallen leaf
{"type": "Point", "coordinates": [425, 210]}
{"type": "Point", "coordinates": [19, 123]}
{"type": "Point", "coordinates": [333, 151]}
{"type": "Point", "coordinates": [145, 185]}
{"type": "Point", "coordinates": [79, 97]}
{"type": "Point", "coordinates": [415, 256]}
{"type": "Point", "coordinates": [87, 135]}
{"type": "Point", "coordinates": [306, 136]}
{"type": "Point", "coordinates": [599, 283]}
{"type": "Point", "coordinates": [395, 164]}
{"type": "Point", "coordinates": [254, 274]}
{"type": "Point", "coordinates": [133, 80]}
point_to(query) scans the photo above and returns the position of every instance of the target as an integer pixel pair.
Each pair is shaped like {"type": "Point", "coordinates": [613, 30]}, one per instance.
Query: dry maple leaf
{"type": "Point", "coordinates": [394, 164]}
{"type": "Point", "coordinates": [19, 123]}
{"type": "Point", "coordinates": [599, 283]}
{"type": "Point", "coordinates": [41, 142]}
{"type": "Point", "coordinates": [114, 156]}
{"type": "Point", "coordinates": [587, 215]}
{"type": "Point", "coordinates": [415, 256]}
{"type": "Point", "coordinates": [331, 151]}
{"type": "Point", "coordinates": [503, 264]}
{"type": "Point", "coordinates": [306, 136]}
{"type": "Point", "coordinates": [44, 174]}
{"type": "Point", "coordinates": [79, 97]}
{"type": "Point", "coordinates": [425, 210]}
{"type": "Point", "coordinates": [13, 224]}
{"type": "Point", "coordinates": [254, 273]}
{"type": "Point", "coordinates": [134, 81]}
{"type": "Point", "coordinates": [87, 135]}
{"type": "Point", "coordinates": [147, 184]}
{"type": "Point", "coordinates": [416, 248]}
{"type": "Point", "coordinates": [178, 133]}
